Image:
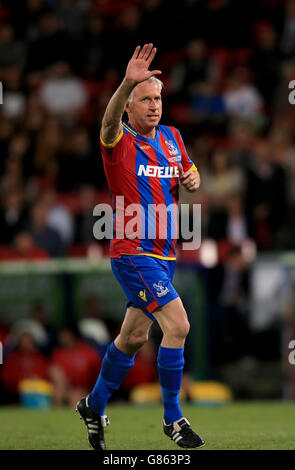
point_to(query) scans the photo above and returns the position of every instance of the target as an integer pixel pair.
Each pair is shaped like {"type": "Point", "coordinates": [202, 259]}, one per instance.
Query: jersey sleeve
{"type": "Point", "coordinates": [114, 152]}
{"type": "Point", "coordinates": [186, 162]}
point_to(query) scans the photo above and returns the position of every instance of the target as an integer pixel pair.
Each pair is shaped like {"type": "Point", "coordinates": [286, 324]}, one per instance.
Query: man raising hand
{"type": "Point", "coordinates": [144, 163]}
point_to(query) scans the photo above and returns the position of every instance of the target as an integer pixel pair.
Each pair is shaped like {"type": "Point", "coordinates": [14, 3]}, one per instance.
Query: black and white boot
{"type": "Point", "coordinates": [183, 435]}
{"type": "Point", "coordinates": [95, 424]}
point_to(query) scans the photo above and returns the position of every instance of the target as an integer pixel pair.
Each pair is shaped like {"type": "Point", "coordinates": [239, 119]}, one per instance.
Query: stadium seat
{"type": "Point", "coordinates": [210, 393]}
{"type": "Point", "coordinates": [147, 394]}
{"type": "Point", "coordinates": [201, 393]}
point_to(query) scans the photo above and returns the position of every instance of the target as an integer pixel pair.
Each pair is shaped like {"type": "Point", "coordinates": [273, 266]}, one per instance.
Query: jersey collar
{"type": "Point", "coordinates": [133, 132]}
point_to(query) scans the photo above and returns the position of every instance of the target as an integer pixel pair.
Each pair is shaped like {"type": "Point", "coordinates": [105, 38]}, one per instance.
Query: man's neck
{"type": "Point", "coordinates": [147, 133]}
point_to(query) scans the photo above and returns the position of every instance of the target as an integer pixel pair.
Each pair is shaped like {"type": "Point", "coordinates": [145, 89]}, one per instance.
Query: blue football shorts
{"type": "Point", "coordinates": [146, 281]}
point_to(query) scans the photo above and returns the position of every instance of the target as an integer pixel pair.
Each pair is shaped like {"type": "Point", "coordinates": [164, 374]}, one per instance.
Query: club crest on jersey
{"type": "Point", "coordinates": [161, 290]}
{"type": "Point", "coordinates": [171, 147]}
{"type": "Point", "coordinates": [175, 159]}
{"type": "Point", "coordinates": [158, 171]}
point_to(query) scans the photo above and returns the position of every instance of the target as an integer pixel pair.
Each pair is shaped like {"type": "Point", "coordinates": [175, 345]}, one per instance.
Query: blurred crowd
{"type": "Point", "coordinates": [68, 357]}
{"type": "Point", "coordinates": [226, 68]}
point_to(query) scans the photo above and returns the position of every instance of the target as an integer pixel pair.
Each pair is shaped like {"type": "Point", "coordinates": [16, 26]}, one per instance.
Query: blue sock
{"type": "Point", "coordinates": [115, 365]}
{"type": "Point", "coordinates": [170, 367]}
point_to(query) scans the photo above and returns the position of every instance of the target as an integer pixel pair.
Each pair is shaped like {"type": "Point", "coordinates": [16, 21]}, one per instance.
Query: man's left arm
{"type": "Point", "coordinates": [189, 176]}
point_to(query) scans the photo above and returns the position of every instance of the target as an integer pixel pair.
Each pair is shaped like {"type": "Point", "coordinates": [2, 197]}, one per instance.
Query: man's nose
{"type": "Point", "coordinates": [154, 104]}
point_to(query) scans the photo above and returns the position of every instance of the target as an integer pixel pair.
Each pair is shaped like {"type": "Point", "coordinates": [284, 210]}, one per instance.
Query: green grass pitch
{"type": "Point", "coordinates": [264, 425]}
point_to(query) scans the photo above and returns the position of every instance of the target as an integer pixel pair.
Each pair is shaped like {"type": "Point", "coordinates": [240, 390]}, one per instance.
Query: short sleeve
{"type": "Point", "coordinates": [114, 152]}
{"type": "Point", "coordinates": [186, 162]}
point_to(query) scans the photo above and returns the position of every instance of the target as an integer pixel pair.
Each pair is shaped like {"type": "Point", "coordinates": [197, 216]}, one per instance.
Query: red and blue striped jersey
{"type": "Point", "coordinates": [143, 175]}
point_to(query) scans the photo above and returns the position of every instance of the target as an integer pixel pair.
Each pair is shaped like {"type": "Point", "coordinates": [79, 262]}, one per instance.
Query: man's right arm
{"type": "Point", "coordinates": [137, 71]}
{"type": "Point", "coordinates": [112, 120]}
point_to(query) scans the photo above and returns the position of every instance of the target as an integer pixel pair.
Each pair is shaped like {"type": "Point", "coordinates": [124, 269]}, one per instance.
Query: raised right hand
{"type": "Point", "coordinates": [138, 67]}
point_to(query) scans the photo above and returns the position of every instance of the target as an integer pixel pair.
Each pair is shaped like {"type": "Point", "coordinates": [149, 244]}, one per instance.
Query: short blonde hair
{"type": "Point", "coordinates": [151, 80]}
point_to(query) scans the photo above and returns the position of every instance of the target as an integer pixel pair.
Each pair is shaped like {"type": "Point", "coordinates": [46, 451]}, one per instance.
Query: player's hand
{"type": "Point", "coordinates": [138, 67]}
{"type": "Point", "coordinates": [190, 179]}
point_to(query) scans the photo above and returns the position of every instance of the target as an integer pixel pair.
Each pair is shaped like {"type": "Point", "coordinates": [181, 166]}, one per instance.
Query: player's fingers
{"type": "Point", "coordinates": [135, 54]}
{"type": "Point", "coordinates": [152, 55]}
{"type": "Point", "coordinates": [187, 177]}
{"type": "Point", "coordinates": [191, 185]}
{"type": "Point", "coordinates": [180, 169]}
{"type": "Point", "coordinates": [148, 51]}
{"type": "Point", "coordinates": [154, 72]}
{"type": "Point", "coordinates": [188, 173]}
{"type": "Point", "coordinates": [143, 51]}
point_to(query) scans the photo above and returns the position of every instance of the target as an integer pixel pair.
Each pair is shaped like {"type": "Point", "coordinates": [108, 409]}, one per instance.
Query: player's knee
{"type": "Point", "coordinates": [183, 328]}
{"type": "Point", "coordinates": [180, 330]}
{"type": "Point", "coordinates": [137, 339]}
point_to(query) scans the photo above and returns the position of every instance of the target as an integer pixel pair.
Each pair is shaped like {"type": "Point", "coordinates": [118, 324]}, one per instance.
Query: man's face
{"type": "Point", "coordinates": [145, 110]}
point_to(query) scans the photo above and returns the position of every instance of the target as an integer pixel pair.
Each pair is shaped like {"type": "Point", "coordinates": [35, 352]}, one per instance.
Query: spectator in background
{"type": "Point", "coordinates": [24, 362]}
{"type": "Point", "coordinates": [242, 136]}
{"type": "Point", "coordinates": [31, 326]}
{"type": "Point", "coordinates": [265, 63]}
{"type": "Point", "coordinates": [196, 67]}
{"type": "Point", "coordinates": [73, 368]}
{"type": "Point", "coordinates": [241, 97]}
{"type": "Point", "coordinates": [234, 301]}
{"type": "Point", "coordinates": [23, 247]}
{"type": "Point", "coordinates": [37, 325]}
{"type": "Point", "coordinates": [20, 148]}
{"type": "Point", "coordinates": [207, 105]}
{"type": "Point", "coordinates": [49, 143]}
{"type": "Point", "coordinates": [236, 227]}
{"type": "Point", "coordinates": [228, 222]}
{"type": "Point", "coordinates": [86, 167]}
{"type": "Point", "coordinates": [13, 176]}
{"type": "Point", "coordinates": [92, 328]}
{"type": "Point", "coordinates": [62, 93]}
{"type": "Point", "coordinates": [12, 51]}
{"type": "Point", "coordinates": [71, 15]}
{"type": "Point", "coordinates": [59, 218]}
{"type": "Point", "coordinates": [40, 316]}
{"type": "Point", "coordinates": [45, 237]}
{"type": "Point", "coordinates": [94, 46]}
{"type": "Point", "coordinates": [34, 115]}
{"type": "Point", "coordinates": [14, 96]}
{"type": "Point", "coordinates": [265, 197]}
{"type": "Point", "coordinates": [25, 17]}
{"type": "Point", "coordinates": [28, 23]}
{"type": "Point", "coordinates": [84, 219]}
{"type": "Point", "coordinates": [13, 215]}
{"type": "Point", "coordinates": [221, 181]}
